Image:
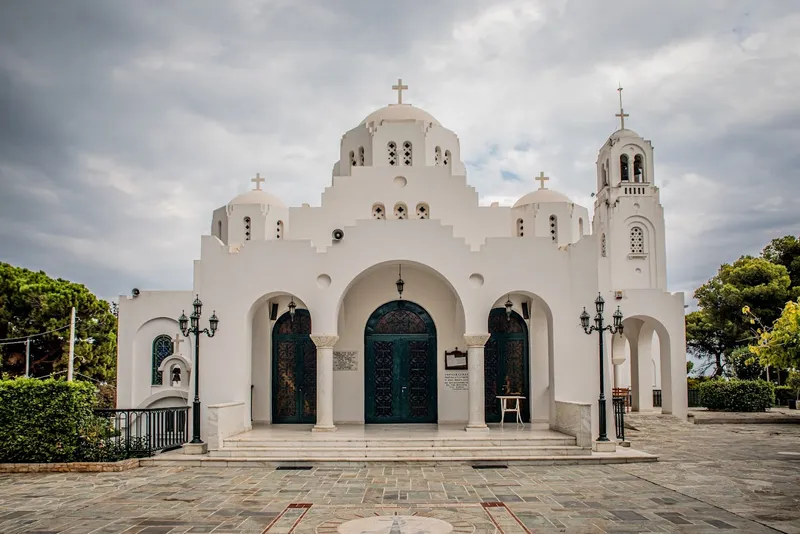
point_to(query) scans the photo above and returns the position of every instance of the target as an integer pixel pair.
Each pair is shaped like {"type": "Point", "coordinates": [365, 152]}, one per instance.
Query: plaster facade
{"type": "Point", "coordinates": [399, 206]}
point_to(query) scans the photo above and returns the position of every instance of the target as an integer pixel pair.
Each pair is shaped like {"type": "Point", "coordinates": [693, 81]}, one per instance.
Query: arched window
{"type": "Point", "coordinates": [603, 245]}
{"type": "Point", "coordinates": [605, 174]}
{"type": "Point", "coordinates": [638, 168]}
{"type": "Point", "coordinates": [446, 160]}
{"type": "Point", "coordinates": [162, 348]}
{"type": "Point", "coordinates": [423, 211]}
{"type": "Point", "coordinates": [520, 228]}
{"type": "Point", "coordinates": [378, 212]}
{"type": "Point", "coordinates": [219, 230]}
{"type": "Point", "coordinates": [554, 228]}
{"type": "Point", "coordinates": [352, 159]}
{"type": "Point", "coordinates": [637, 240]}
{"type": "Point", "coordinates": [392, 150]}
{"type": "Point", "coordinates": [580, 226]}
{"type": "Point", "coordinates": [437, 156]}
{"type": "Point", "coordinates": [279, 230]}
{"type": "Point", "coordinates": [247, 228]}
{"type": "Point", "coordinates": [407, 153]}
{"type": "Point", "coordinates": [623, 168]}
{"type": "Point", "coordinates": [400, 211]}
{"type": "Point", "coordinates": [361, 156]}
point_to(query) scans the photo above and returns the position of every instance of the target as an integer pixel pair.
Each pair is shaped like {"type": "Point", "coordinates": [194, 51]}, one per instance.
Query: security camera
{"type": "Point", "coordinates": [135, 292]}
{"type": "Point", "coordinates": [337, 235]}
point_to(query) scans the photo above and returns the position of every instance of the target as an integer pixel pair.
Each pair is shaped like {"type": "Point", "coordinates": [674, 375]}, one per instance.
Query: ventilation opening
{"type": "Point", "coordinates": [490, 467]}
{"type": "Point", "coordinates": [293, 468]}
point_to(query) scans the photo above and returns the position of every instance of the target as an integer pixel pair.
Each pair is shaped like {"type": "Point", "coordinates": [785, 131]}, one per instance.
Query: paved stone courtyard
{"type": "Point", "coordinates": [711, 478]}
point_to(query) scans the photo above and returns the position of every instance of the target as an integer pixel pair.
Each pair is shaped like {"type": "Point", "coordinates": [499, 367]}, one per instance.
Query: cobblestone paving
{"type": "Point", "coordinates": [711, 479]}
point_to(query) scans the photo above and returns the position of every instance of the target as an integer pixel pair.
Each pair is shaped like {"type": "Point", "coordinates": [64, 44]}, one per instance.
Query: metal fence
{"type": "Point", "coordinates": [619, 417]}
{"type": "Point", "coordinates": [147, 431]}
{"type": "Point", "coordinates": [693, 398]}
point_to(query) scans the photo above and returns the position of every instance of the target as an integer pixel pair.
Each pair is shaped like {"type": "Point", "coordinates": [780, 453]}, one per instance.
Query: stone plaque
{"type": "Point", "coordinates": [345, 360]}
{"type": "Point", "coordinates": [395, 524]}
{"type": "Point", "coordinates": [456, 381]}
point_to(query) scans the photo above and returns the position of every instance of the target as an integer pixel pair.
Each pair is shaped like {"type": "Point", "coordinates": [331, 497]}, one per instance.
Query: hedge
{"type": "Point", "coordinates": [737, 395]}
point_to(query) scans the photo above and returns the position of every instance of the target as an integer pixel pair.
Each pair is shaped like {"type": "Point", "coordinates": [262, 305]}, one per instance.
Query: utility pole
{"type": "Point", "coordinates": [27, 358]}
{"type": "Point", "coordinates": [71, 366]}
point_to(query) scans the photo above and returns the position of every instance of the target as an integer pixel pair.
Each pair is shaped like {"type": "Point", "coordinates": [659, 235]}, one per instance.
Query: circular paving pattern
{"type": "Point", "coordinates": [395, 524]}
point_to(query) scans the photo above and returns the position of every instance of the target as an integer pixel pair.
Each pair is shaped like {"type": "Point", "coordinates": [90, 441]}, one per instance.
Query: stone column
{"type": "Point", "coordinates": [477, 412]}
{"type": "Point", "coordinates": [324, 343]}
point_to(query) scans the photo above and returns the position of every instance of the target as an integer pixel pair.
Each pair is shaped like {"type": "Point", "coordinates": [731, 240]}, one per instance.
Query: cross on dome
{"type": "Point", "coordinates": [258, 180]}
{"type": "Point", "coordinates": [399, 88]}
{"type": "Point", "coordinates": [621, 113]}
{"type": "Point", "coordinates": [542, 179]}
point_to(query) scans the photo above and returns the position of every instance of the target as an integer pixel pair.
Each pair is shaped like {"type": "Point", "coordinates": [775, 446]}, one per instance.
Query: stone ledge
{"type": "Point", "coordinates": [71, 467]}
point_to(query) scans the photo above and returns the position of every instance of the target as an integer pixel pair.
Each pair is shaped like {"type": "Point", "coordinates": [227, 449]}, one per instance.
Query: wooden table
{"type": "Point", "coordinates": [504, 407]}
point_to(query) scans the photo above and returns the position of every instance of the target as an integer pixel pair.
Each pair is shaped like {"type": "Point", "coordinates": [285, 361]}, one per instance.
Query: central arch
{"type": "Point", "coordinates": [400, 365]}
{"type": "Point", "coordinates": [506, 364]}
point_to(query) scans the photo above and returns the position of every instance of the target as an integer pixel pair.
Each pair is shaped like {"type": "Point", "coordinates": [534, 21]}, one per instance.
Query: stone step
{"type": "Point", "coordinates": [377, 443]}
{"type": "Point", "coordinates": [401, 452]}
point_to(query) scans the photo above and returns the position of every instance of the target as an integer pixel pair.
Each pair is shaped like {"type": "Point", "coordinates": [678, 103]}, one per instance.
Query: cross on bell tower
{"type": "Point", "coordinates": [399, 88]}
{"type": "Point", "coordinates": [621, 113]}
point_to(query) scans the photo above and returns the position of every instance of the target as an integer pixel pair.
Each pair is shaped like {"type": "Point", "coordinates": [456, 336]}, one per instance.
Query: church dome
{"type": "Point", "coordinates": [619, 134]}
{"type": "Point", "coordinates": [257, 197]}
{"type": "Point", "coordinates": [399, 112]}
{"type": "Point", "coordinates": [541, 195]}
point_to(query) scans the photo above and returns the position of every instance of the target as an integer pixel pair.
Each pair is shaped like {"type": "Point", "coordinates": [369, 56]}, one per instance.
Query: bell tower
{"type": "Point", "coordinates": [628, 216]}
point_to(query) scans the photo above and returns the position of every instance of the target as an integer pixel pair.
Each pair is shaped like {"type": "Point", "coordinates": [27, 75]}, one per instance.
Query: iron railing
{"type": "Point", "coordinates": [693, 398]}
{"type": "Point", "coordinates": [619, 417]}
{"type": "Point", "coordinates": [144, 432]}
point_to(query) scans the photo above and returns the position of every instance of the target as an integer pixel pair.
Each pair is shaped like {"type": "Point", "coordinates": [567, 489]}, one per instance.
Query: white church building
{"type": "Point", "coordinates": [400, 299]}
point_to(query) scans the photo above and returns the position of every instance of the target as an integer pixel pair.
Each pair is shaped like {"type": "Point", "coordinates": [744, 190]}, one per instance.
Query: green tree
{"type": "Point", "coordinates": [780, 344]}
{"type": "Point", "coordinates": [32, 302]}
{"type": "Point", "coordinates": [785, 251]}
{"type": "Point", "coordinates": [720, 325]}
{"type": "Point", "coordinates": [744, 365]}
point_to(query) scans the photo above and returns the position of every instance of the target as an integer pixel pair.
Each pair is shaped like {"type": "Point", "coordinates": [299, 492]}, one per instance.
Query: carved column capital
{"type": "Point", "coordinates": [324, 341]}
{"type": "Point", "coordinates": [476, 340]}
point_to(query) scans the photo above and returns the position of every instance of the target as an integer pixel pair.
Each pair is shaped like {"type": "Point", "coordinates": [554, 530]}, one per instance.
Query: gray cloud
{"type": "Point", "coordinates": [121, 129]}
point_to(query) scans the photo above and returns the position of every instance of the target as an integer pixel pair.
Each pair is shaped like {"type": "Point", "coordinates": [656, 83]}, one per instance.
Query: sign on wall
{"type": "Point", "coordinates": [456, 380]}
{"type": "Point", "coordinates": [345, 360]}
{"type": "Point", "coordinates": [455, 360]}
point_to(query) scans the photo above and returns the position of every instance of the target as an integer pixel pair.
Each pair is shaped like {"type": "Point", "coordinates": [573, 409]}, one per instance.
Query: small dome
{"type": "Point", "coordinates": [258, 197]}
{"type": "Point", "coordinates": [541, 195]}
{"type": "Point", "coordinates": [619, 134]}
{"type": "Point", "coordinates": [399, 112]}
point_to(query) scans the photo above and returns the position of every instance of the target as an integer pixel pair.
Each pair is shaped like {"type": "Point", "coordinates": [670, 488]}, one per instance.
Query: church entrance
{"type": "Point", "coordinates": [400, 365]}
{"type": "Point", "coordinates": [505, 363]}
{"type": "Point", "coordinates": [294, 370]}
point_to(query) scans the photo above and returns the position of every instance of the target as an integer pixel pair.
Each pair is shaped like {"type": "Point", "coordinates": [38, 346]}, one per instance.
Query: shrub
{"type": "Point", "coordinates": [737, 395]}
{"type": "Point", "coordinates": [783, 394]}
{"type": "Point", "coordinates": [43, 420]}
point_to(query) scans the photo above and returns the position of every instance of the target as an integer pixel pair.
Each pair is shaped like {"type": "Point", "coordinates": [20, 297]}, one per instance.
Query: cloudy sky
{"type": "Point", "coordinates": [124, 124]}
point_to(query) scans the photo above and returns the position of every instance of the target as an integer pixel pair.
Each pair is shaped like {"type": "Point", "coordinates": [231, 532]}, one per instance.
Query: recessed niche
{"type": "Point", "coordinates": [323, 281]}
{"type": "Point", "coordinates": [636, 206]}
{"type": "Point", "coordinates": [638, 271]}
{"type": "Point", "coordinates": [400, 181]}
{"type": "Point", "coordinates": [476, 279]}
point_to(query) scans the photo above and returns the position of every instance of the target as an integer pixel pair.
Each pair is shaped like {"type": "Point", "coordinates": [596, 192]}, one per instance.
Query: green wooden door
{"type": "Point", "coordinates": [505, 364]}
{"type": "Point", "coordinates": [400, 369]}
{"type": "Point", "coordinates": [294, 370]}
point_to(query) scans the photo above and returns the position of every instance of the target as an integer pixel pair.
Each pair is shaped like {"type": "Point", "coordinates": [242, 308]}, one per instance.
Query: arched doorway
{"type": "Point", "coordinates": [400, 365]}
{"type": "Point", "coordinates": [506, 364]}
{"type": "Point", "coordinates": [294, 370]}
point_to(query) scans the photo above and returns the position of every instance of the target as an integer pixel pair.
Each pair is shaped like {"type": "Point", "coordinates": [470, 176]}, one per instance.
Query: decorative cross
{"type": "Point", "coordinates": [399, 88]}
{"type": "Point", "coordinates": [621, 113]}
{"type": "Point", "coordinates": [258, 180]}
{"type": "Point", "coordinates": [176, 343]}
{"type": "Point", "coordinates": [542, 179]}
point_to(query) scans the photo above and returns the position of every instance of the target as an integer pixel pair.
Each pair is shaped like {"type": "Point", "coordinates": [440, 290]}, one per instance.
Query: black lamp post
{"type": "Point", "coordinates": [598, 327]}
{"type": "Point", "coordinates": [184, 323]}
